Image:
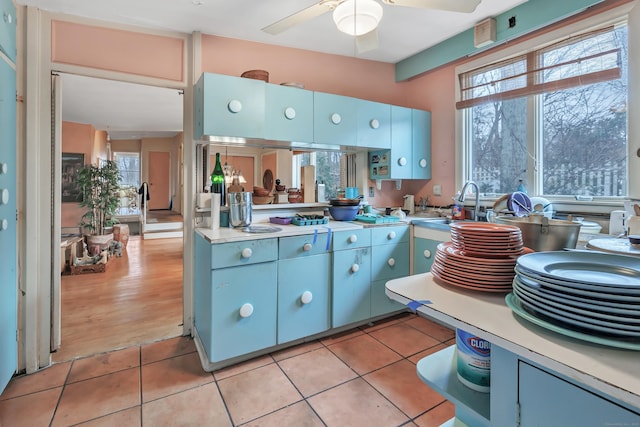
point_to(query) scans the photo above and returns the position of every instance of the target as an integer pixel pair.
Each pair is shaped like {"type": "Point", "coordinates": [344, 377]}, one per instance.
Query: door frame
{"type": "Point", "coordinates": [36, 204]}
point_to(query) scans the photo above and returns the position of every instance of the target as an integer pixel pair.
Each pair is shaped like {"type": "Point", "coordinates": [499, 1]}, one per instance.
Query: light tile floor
{"type": "Point", "coordinates": [363, 377]}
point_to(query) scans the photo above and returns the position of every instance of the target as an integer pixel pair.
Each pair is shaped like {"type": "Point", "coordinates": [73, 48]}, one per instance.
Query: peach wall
{"type": "Point", "coordinates": [317, 71]}
{"type": "Point", "coordinates": [117, 50]}
{"type": "Point", "coordinates": [76, 138]}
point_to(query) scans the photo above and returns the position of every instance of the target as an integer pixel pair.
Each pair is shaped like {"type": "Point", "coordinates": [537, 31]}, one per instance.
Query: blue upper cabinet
{"type": "Point", "coordinates": [334, 119]}
{"type": "Point", "coordinates": [410, 154]}
{"type": "Point", "coordinates": [421, 144]}
{"type": "Point", "coordinates": [373, 124]}
{"type": "Point", "coordinates": [8, 29]}
{"type": "Point", "coordinates": [229, 106]}
{"type": "Point", "coordinates": [288, 114]}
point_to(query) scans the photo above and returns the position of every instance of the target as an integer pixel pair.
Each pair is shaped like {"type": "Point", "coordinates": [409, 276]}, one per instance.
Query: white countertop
{"type": "Point", "coordinates": [224, 234]}
{"type": "Point", "coordinates": [615, 372]}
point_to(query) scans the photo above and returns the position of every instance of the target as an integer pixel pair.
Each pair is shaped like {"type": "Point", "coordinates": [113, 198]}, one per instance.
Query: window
{"type": "Point", "coordinates": [129, 168]}
{"type": "Point", "coordinates": [327, 167]}
{"type": "Point", "coordinates": [554, 117]}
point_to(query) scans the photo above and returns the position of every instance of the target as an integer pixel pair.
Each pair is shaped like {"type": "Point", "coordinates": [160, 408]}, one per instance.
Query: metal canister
{"type": "Point", "coordinates": [239, 209]}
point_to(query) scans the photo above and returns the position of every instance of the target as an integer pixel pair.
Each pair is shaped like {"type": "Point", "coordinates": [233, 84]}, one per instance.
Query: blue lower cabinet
{"type": "Point", "coordinates": [351, 286]}
{"type": "Point", "coordinates": [380, 303]}
{"type": "Point", "coordinates": [304, 297]}
{"type": "Point", "coordinates": [424, 252]}
{"type": "Point", "coordinates": [243, 310]}
{"type": "Point", "coordinates": [547, 400]}
{"type": "Point", "coordinates": [389, 261]}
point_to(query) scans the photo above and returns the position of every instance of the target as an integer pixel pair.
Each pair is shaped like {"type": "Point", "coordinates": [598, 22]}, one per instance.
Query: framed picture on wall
{"type": "Point", "coordinates": [71, 164]}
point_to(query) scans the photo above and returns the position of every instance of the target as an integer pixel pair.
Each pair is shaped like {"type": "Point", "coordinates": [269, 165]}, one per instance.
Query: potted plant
{"type": "Point", "coordinates": [100, 195]}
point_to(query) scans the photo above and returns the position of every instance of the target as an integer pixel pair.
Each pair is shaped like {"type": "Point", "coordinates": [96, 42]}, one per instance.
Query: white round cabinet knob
{"type": "Point", "coordinates": [307, 247]}
{"type": "Point", "coordinates": [402, 161]}
{"type": "Point", "coordinates": [306, 297]}
{"type": "Point", "coordinates": [423, 163]}
{"type": "Point", "coordinates": [4, 168]}
{"type": "Point", "coordinates": [353, 238]}
{"type": "Point", "coordinates": [336, 119]}
{"type": "Point", "coordinates": [4, 224]}
{"type": "Point", "coordinates": [427, 253]}
{"type": "Point", "coordinates": [391, 235]}
{"type": "Point", "coordinates": [391, 262]}
{"type": "Point", "coordinates": [290, 113]}
{"type": "Point", "coordinates": [246, 310]}
{"type": "Point", "coordinates": [8, 18]}
{"type": "Point", "coordinates": [5, 196]}
{"type": "Point", "coordinates": [235, 106]}
{"type": "Point", "coordinates": [355, 268]}
{"type": "Point", "coordinates": [246, 253]}
{"type": "Point", "coordinates": [374, 124]}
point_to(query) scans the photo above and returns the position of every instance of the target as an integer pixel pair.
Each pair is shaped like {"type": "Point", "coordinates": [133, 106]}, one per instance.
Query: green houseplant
{"type": "Point", "coordinates": [100, 195]}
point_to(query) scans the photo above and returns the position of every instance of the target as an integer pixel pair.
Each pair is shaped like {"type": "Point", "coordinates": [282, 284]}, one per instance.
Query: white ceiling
{"type": "Point", "coordinates": [402, 32]}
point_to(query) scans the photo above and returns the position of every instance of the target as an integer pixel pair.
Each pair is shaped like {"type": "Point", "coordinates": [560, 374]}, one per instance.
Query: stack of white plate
{"type": "Point", "coordinates": [586, 295]}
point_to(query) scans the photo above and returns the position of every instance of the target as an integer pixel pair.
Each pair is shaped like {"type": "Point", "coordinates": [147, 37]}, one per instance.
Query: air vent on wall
{"type": "Point", "coordinates": [484, 32]}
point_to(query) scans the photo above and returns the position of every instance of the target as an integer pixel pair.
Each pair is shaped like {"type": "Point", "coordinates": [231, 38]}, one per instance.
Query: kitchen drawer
{"type": "Point", "coordinates": [243, 253]}
{"type": "Point", "coordinates": [351, 239]}
{"type": "Point", "coordinates": [304, 246]}
{"type": "Point", "coordinates": [388, 235]}
{"type": "Point", "coordinates": [389, 261]}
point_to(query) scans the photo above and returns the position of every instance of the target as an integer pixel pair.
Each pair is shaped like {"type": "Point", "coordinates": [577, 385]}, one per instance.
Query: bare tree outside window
{"type": "Point", "coordinates": [581, 90]}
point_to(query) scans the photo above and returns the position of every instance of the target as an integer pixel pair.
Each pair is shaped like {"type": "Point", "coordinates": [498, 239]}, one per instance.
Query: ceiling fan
{"type": "Point", "coordinates": [360, 18]}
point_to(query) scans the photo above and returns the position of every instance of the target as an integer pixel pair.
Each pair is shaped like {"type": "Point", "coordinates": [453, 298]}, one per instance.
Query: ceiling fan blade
{"type": "Point", "coordinates": [304, 15]}
{"type": "Point", "coordinates": [465, 6]}
{"type": "Point", "coordinates": [367, 42]}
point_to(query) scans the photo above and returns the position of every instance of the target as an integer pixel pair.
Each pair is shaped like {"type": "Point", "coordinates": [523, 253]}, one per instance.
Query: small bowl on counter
{"type": "Point", "coordinates": [344, 213]}
{"type": "Point", "coordinates": [634, 239]}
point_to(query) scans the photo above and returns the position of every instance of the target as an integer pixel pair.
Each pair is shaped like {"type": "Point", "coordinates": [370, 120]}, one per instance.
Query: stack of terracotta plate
{"type": "Point", "coordinates": [486, 240]}
{"type": "Point", "coordinates": [480, 256]}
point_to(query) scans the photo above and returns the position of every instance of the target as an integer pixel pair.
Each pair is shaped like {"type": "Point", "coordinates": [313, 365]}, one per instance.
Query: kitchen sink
{"type": "Point", "coordinates": [439, 223]}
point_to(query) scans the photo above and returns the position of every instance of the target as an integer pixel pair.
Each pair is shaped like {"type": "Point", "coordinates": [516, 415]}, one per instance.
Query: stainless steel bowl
{"type": "Point", "coordinates": [543, 234]}
{"type": "Point", "coordinates": [240, 209]}
{"type": "Point", "coordinates": [344, 202]}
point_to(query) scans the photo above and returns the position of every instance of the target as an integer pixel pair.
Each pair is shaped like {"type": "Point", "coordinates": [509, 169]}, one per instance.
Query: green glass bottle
{"type": "Point", "coordinates": [217, 181]}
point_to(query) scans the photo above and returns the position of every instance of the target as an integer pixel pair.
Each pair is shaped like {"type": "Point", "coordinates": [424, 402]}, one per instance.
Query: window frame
{"type": "Point", "coordinates": [534, 127]}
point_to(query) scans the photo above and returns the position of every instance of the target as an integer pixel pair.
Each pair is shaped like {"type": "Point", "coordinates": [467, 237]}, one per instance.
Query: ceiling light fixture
{"type": "Point", "coordinates": [357, 17]}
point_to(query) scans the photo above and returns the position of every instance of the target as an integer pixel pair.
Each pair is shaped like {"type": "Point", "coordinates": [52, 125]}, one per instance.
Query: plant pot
{"type": "Point", "coordinates": [98, 242]}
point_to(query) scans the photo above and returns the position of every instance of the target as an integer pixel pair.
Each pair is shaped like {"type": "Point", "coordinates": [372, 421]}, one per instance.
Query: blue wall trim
{"type": "Point", "coordinates": [530, 16]}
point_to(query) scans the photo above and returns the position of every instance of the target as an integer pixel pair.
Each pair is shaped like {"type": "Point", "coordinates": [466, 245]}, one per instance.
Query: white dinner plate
{"type": "Point", "coordinates": [583, 302]}
{"type": "Point", "coordinates": [581, 322]}
{"type": "Point", "coordinates": [595, 268]}
{"type": "Point", "coordinates": [516, 307]}
{"type": "Point", "coordinates": [630, 322]}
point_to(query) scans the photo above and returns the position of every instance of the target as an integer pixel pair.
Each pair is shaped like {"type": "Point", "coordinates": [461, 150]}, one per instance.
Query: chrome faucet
{"type": "Point", "coordinates": [477, 201]}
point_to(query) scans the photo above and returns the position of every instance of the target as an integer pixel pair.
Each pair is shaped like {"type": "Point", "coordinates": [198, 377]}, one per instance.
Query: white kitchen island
{"type": "Point", "coordinates": [538, 377]}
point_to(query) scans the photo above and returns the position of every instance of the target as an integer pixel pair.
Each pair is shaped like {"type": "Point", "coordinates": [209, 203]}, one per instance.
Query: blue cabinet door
{"type": "Point", "coordinates": [288, 114]}
{"type": "Point", "coordinates": [424, 251]}
{"type": "Point", "coordinates": [546, 400]}
{"type": "Point", "coordinates": [351, 286]}
{"type": "Point", "coordinates": [334, 119]}
{"type": "Point", "coordinates": [421, 144]}
{"type": "Point", "coordinates": [373, 128]}
{"type": "Point", "coordinates": [8, 229]}
{"type": "Point", "coordinates": [229, 106]}
{"type": "Point", "coordinates": [401, 147]}
{"type": "Point", "coordinates": [8, 29]}
{"type": "Point", "coordinates": [304, 296]}
{"type": "Point", "coordinates": [390, 261]}
{"type": "Point", "coordinates": [380, 302]}
{"type": "Point", "coordinates": [243, 309]}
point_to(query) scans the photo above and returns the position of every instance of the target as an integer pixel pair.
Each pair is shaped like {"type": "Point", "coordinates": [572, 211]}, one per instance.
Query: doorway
{"type": "Point", "coordinates": [139, 298]}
